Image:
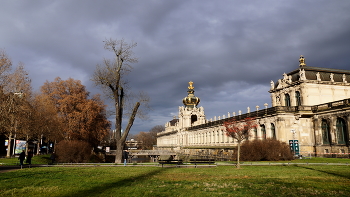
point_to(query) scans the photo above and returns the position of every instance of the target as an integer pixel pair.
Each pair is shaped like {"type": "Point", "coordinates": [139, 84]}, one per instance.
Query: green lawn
{"type": "Point", "coordinates": [41, 159]}
{"type": "Point", "coordinates": [290, 180]}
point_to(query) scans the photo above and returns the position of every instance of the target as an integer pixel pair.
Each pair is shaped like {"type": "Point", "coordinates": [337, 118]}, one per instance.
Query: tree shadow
{"type": "Point", "coordinates": [347, 176]}
{"type": "Point", "coordinates": [100, 188]}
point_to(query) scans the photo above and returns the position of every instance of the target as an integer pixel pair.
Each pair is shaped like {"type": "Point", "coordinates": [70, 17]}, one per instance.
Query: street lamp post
{"type": "Point", "coordinates": [293, 147]}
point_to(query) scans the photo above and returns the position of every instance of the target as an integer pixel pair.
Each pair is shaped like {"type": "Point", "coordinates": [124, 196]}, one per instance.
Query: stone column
{"type": "Point", "coordinates": [283, 100]}
{"type": "Point", "coordinates": [268, 130]}
{"type": "Point", "coordinates": [191, 138]}
{"type": "Point", "coordinates": [332, 128]}
{"type": "Point", "coordinates": [348, 129]}
{"type": "Point", "coordinates": [317, 131]}
{"type": "Point", "coordinates": [206, 139]}
{"type": "Point", "coordinates": [273, 99]}
{"type": "Point", "coordinates": [258, 132]}
{"type": "Point", "coordinates": [210, 140]}
{"type": "Point", "coordinates": [220, 136]}
{"type": "Point", "coordinates": [303, 95]}
{"type": "Point", "coordinates": [293, 101]}
{"type": "Point", "coordinates": [201, 137]}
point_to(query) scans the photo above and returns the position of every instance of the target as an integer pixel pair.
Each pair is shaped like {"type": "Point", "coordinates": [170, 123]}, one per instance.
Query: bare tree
{"type": "Point", "coordinates": [110, 77]}
{"type": "Point", "coordinates": [19, 82]}
{"type": "Point", "coordinates": [11, 114]}
{"type": "Point", "coordinates": [5, 68]}
{"type": "Point", "coordinates": [16, 89]}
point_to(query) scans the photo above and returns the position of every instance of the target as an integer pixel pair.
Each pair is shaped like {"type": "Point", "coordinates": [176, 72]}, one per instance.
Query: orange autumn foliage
{"type": "Point", "coordinates": [83, 118]}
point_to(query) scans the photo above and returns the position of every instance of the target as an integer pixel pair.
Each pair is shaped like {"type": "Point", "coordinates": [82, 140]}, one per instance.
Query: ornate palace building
{"type": "Point", "coordinates": [310, 106]}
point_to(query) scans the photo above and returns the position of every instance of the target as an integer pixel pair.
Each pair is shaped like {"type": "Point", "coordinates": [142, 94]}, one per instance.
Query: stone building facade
{"type": "Point", "coordinates": [309, 104]}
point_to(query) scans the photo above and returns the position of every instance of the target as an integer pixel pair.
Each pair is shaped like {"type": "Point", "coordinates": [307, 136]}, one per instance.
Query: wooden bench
{"type": "Point", "coordinates": [172, 162]}
{"type": "Point", "coordinates": [202, 161]}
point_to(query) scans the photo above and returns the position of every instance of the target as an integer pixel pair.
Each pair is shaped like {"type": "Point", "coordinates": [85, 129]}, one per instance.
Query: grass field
{"type": "Point", "coordinates": [45, 159]}
{"type": "Point", "coordinates": [41, 159]}
{"type": "Point", "coordinates": [293, 180]}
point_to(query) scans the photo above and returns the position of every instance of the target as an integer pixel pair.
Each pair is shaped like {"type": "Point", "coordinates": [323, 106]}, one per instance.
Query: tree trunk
{"type": "Point", "coordinates": [38, 148]}
{"type": "Point", "coordinates": [119, 152]}
{"type": "Point", "coordinates": [14, 145]}
{"type": "Point", "coordinates": [120, 139]}
{"type": "Point", "coordinates": [27, 144]}
{"type": "Point", "coordinates": [38, 145]}
{"type": "Point", "coordinates": [8, 154]}
{"type": "Point", "coordinates": [118, 130]}
{"type": "Point", "coordinates": [131, 121]}
{"type": "Point", "coordinates": [238, 154]}
{"type": "Point", "coordinates": [47, 145]}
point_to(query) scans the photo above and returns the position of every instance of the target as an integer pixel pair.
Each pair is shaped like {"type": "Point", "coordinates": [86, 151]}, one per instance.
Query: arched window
{"type": "Point", "coordinates": [255, 131]}
{"type": "Point", "coordinates": [287, 100]}
{"type": "Point", "coordinates": [325, 132]}
{"type": "Point", "coordinates": [273, 131]}
{"type": "Point", "coordinates": [297, 98]}
{"type": "Point", "coordinates": [263, 131]}
{"type": "Point", "coordinates": [341, 131]}
{"type": "Point", "coordinates": [193, 119]}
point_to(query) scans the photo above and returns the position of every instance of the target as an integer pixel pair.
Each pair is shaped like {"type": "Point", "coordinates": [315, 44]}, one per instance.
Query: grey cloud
{"type": "Point", "coordinates": [230, 49]}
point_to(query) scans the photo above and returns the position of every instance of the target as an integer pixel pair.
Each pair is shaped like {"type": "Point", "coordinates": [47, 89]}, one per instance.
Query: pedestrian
{"type": "Point", "coordinates": [52, 157]}
{"type": "Point", "coordinates": [125, 156]}
{"type": "Point", "coordinates": [29, 157]}
{"type": "Point", "coordinates": [22, 157]}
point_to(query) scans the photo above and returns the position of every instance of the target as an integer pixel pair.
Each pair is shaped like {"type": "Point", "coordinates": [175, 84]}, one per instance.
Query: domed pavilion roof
{"type": "Point", "coordinates": [191, 100]}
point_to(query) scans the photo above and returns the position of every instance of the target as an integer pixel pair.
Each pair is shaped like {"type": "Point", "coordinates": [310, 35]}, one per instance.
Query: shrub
{"type": "Point", "coordinates": [73, 151]}
{"type": "Point", "coordinates": [265, 150]}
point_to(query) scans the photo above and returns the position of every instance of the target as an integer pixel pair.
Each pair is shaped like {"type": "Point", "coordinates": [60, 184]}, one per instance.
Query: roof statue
{"type": "Point", "coordinates": [302, 74]}
{"type": "Point", "coordinates": [190, 87]}
{"type": "Point", "coordinates": [318, 76]}
{"type": "Point", "coordinates": [344, 79]}
{"type": "Point", "coordinates": [272, 85]}
{"type": "Point", "coordinates": [302, 61]}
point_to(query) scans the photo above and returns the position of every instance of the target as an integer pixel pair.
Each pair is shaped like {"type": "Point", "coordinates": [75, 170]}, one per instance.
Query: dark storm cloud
{"type": "Point", "coordinates": [230, 49]}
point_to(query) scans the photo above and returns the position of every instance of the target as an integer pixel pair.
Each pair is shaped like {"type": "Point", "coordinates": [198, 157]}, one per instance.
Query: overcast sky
{"type": "Point", "coordinates": [230, 49]}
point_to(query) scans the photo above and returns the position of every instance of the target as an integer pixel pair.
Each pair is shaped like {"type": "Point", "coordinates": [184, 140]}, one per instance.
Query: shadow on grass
{"type": "Point", "coordinates": [347, 176]}
{"type": "Point", "coordinates": [96, 191]}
